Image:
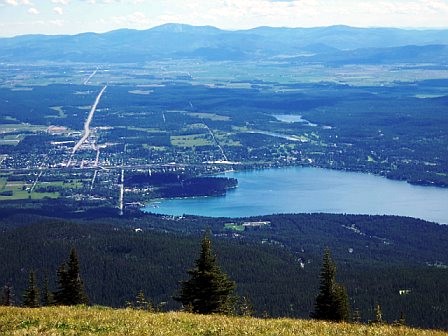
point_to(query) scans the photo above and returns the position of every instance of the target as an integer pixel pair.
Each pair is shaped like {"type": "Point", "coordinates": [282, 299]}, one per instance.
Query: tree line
{"type": "Point", "coordinates": [70, 289]}
{"type": "Point", "coordinates": [209, 290]}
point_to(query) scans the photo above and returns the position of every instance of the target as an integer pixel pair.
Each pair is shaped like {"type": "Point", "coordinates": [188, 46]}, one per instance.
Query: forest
{"type": "Point", "coordinates": [383, 260]}
{"type": "Point", "coordinates": [169, 185]}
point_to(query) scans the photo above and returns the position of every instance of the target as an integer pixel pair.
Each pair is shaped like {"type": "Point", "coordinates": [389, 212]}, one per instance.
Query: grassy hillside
{"type": "Point", "coordinates": [107, 321]}
{"type": "Point", "coordinates": [389, 254]}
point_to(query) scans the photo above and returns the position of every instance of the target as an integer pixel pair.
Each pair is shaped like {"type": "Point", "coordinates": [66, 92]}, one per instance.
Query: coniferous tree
{"type": "Point", "coordinates": [342, 305]}
{"type": "Point", "coordinates": [140, 302]}
{"type": "Point", "coordinates": [401, 321]}
{"type": "Point", "coordinates": [7, 296]}
{"type": "Point", "coordinates": [71, 288]}
{"type": "Point", "coordinates": [245, 307]}
{"type": "Point", "coordinates": [378, 314]}
{"type": "Point", "coordinates": [31, 297]}
{"type": "Point", "coordinates": [47, 295]}
{"type": "Point", "coordinates": [332, 301]}
{"type": "Point", "coordinates": [356, 318]}
{"type": "Point", "coordinates": [209, 290]}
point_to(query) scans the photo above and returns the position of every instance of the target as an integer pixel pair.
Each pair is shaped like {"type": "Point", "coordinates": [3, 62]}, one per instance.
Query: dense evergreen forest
{"type": "Point", "coordinates": [396, 262]}
{"type": "Point", "coordinates": [170, 185]}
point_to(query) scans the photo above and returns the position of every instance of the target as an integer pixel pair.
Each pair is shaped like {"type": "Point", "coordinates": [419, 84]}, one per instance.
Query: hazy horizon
{"type": "Point", "coordinates": [225, 29]}
{"type": "Point", "coordinates": [69, 17]}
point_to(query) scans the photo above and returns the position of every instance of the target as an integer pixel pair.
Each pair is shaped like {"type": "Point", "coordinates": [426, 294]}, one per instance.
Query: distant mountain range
{"type": "Point", "coordinates": [335, 44]}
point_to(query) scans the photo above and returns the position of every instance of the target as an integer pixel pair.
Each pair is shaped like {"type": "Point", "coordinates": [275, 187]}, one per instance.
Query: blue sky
{"type": "Point", "coordinates": [18, 17]}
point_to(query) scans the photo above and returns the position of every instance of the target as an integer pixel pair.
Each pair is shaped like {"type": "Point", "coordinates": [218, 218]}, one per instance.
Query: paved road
{"type": "Point", "coordinates": [90, 77]}
{"type": "Point", "coordinates": [87, 130]}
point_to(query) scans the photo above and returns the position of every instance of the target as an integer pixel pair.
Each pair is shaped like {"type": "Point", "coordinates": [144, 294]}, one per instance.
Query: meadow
{"type": "Point", "coordinates": [81, 320]}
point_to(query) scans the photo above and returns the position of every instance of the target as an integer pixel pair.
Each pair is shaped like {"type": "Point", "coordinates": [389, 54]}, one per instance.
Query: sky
{"type": "Point", "coordinates": [19, 17]}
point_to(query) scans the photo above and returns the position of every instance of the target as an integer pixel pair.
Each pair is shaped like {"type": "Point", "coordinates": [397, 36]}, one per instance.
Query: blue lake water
{"type": "Point", "coordinates": [307, 190]}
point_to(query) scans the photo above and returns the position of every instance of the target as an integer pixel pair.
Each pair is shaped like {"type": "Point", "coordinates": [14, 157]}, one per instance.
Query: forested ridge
{"type": "Point", "coordinates": [396, 262]}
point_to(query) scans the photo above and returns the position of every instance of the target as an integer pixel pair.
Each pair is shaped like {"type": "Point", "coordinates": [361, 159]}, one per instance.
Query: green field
{"type": "Point", "coordinates": [225, 138]}
{"type": "Point", "coordinates": [106, 321]}
{"type": "Point", "coordinates": [210, 116]}
{"type": "Point", "coordinates": [147, 130]}
{"type": "Point", "coordinates": [12, 134]}
{"type": "Point", "coordinates": [22, 195]}
{"type": "Point", "coordinates": [193, 140]}
{"type": "Point", "coordinates": [10, 128]}
{"type": "Point", "coordinates": [234, 227]}
{"type": "Point", "coordinates": [19, 190]}
{"type": "Point", "coordinates": [72, 184]}
{"type": "Point", "coordinates": [154, 148]}
{"type": "Point", "coordinates": [3, 181]}
{"type": "Point", "coordinates": [11, 139]}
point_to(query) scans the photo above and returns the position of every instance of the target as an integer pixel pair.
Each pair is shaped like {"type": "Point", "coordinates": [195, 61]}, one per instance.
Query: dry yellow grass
{"type": "Point", "coordinates": [127, 322]}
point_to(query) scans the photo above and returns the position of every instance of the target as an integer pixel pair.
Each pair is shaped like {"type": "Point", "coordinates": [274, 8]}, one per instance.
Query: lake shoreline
{"type": "Point", "coordinates": [310, 190]}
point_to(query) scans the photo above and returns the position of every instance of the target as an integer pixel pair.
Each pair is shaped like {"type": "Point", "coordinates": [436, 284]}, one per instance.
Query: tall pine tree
{"type": "Point", "coordinates": [209, 290]}
{"type": "Point", "coordinates": [31, 295]}
{"type": "Point", "coordinates": [332, 301]}
{"type": "Point", "coordinates": [71, 287]}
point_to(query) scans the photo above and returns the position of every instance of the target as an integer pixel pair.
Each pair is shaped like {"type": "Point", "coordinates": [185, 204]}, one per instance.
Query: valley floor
{"type": "Point", "coordinates": [107, 321]}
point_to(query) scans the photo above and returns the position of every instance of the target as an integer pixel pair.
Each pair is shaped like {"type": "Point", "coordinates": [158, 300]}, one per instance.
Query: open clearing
{"type": "Point", "coordinates": [193, 140]}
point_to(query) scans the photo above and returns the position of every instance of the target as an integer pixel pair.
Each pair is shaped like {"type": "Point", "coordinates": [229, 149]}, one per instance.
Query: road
{"type": "Point", "coordinates": [216, 142]}
{"type": "Point", "coordinates": [121, 193]}
{"type": "Point", "coordinates": [37, 180]}
{"type": "Point", "coordinates": [93, 179]}
{"type": "Point", "coordinates": [87, 130]}
{"type": "Point", "coordinates": [90, 77]}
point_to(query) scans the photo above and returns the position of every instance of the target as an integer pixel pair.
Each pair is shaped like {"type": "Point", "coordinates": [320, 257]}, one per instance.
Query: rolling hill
{"type": "Point", "coordinates": [347, 44]}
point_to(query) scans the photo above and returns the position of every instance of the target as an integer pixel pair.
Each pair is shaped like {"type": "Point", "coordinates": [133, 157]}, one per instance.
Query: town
{"type": "Point", "coordinates": [79, 131]}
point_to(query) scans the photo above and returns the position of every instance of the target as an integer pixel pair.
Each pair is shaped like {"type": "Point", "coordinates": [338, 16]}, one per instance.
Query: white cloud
{"type": "Point", "coordinates": [58, 10]}
{"type": "Point", "coordinates": [33, 10]}
{"type": "Point", "coordinates": [58, 23]}
{"type": "Point", "coordinates": [237, 14]}
{"type": "Point", "coordinates": [136, 19]}
{"type": "Point", "coordinates": [18, 2]}
{"type": "Point", "coordinates": [437, 5]}
{"type": "Point", "coordinates": [61, 2]}
{"type": "Point", "coordinates": [134, 2]}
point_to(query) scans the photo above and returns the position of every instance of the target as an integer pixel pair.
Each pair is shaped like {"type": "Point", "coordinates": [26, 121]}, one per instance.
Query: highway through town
{"type": "Point", "coordinates": [87, 130]}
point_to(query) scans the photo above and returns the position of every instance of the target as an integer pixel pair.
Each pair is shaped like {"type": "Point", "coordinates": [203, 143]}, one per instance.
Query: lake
{"type": "Point", "coordinates": [308, 190]}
